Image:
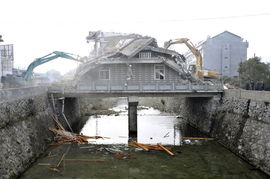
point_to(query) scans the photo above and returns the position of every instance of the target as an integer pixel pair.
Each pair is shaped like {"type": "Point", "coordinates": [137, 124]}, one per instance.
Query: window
{"type": "Point", "coordinates": [145, 55]}
{"type": "Point", "coordinates": [159, 72]}
{"type": "Point", "coordinates": [104, 74]}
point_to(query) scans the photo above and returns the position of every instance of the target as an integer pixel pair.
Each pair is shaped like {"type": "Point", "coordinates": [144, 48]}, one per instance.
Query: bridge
{"type": "Point", "coordinates": [186, 91]}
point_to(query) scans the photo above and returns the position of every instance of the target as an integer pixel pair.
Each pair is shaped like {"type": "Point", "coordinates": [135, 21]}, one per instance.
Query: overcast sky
{"type": "Point", "coordinates": [38, 27]}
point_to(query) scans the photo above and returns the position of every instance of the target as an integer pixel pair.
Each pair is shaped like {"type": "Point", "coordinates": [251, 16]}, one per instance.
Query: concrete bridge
{"type": "Point", "coordinates": [185, 91]}
{"type": "Point", "coordinates": [132, 95]}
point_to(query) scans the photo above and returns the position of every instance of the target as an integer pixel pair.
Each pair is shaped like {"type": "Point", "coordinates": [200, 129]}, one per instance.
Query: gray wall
{"type": "Point", "coordinates": [223, 53]}
{"type": "Point", "coordinates": [24, 121]}
{"type": "Point", "coordinates": [239, 120]}
{"type": "Point", "coordinates": [142, 74]}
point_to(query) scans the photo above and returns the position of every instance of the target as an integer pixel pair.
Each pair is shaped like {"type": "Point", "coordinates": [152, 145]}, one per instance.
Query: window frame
{"type": "Point", "coordinates": [145, 55]}
{"type": "Point", "coordinates": [155, 71]}
{"type": "Point", "coordinates": [104, 70]}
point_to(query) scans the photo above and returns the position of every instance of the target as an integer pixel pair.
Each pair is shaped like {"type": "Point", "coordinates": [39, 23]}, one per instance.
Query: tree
{"type": "Point", "coordinates": [254, 69]}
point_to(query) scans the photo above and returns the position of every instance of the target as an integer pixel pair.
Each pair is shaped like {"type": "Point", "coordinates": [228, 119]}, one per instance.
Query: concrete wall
{"type": "Point", "coordinates": [223, 53]}
{"type": "Point", "coordinates": [240, 120]}
{"type": "Point", "coordinates": [24, 121]}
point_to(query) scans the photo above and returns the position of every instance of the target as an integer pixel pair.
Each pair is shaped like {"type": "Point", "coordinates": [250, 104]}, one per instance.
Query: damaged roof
{"type": "Point", "coordinates": [135, 46]}
{"type": "Point", "coordinates": [119, 49]}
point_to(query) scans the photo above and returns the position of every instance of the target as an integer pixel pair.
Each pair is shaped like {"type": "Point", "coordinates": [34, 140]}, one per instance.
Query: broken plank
{"type": "Point", "coordinates": [166, 150]}
{"type": "Point", "coordinates": [43, 164]}
{"type": "Point", "coordinates": [141, 146]}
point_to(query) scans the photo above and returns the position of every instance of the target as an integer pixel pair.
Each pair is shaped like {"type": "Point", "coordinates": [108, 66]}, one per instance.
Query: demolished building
{"type": "Point", "coordinates": [133, 62]}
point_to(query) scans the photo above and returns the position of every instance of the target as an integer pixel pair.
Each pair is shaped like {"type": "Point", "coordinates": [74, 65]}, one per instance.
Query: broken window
{"type": "Point", "coordinates": [159, 72]}
{"type": "Point", "coordinates": [145, 55]}
{"type": "Point", "coordinates": [104, 74]}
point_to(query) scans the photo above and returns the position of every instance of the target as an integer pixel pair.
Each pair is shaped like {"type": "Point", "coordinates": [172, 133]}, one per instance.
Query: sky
{"type": "Point", "coordinates": [39, 27]}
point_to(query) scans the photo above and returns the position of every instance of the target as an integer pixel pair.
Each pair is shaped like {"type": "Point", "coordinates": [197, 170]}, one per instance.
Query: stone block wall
{"type": "Point", "coordinates": [24, 121]}
{"type": "Point", "coordinates": [240, 121]}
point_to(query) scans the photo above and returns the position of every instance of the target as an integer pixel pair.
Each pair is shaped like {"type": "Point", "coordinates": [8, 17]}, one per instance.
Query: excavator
{"type": "Point", "coordinates": [195, 69]}
{"type": "Point", "coordinates": [25, 78]}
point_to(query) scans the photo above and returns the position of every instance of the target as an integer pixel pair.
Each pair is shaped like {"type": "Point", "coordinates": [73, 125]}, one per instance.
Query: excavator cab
{"type": "Point", "coordinates": [192, 68]}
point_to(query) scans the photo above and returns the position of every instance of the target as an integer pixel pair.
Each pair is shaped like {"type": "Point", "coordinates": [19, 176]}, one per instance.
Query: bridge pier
{"type": "Point", "coordinates": [132, 115]}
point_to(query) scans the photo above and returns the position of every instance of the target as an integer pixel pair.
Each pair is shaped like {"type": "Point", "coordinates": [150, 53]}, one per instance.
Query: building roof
{"type": "Point", "coordinates": [131, 49]}
{"type": "Point", "coordinates": [227, 32]}
{"type": "Point", "coordinates": [123, 50]}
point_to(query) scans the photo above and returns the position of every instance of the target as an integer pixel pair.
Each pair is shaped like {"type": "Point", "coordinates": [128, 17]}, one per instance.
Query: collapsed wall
{"type": "Point", "coordinates": [240, 120]}
{"type": "Point", "coordinates": [25, 116]}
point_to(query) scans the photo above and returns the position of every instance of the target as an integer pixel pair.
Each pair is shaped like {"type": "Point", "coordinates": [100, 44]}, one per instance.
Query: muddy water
{"type": "Point", "coordinates": [192, 160]}
{"type": "Point", "coordinates": [153, 127]}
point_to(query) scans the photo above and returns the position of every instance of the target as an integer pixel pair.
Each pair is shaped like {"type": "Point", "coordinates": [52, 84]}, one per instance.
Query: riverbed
{"type": "Point", "coordinates": [192, 159]}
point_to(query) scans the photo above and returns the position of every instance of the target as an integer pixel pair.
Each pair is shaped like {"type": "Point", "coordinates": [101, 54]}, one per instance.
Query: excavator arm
{"type": "Point", "coordinates": [47, 58]}
{"type": "Point", "coordinates": [191, 47]}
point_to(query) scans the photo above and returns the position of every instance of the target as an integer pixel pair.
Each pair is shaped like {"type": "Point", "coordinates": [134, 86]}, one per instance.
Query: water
{"type": "Point", "coordinates": [153, 127]}
{"type": "Point", "coordinates": [200, 160]}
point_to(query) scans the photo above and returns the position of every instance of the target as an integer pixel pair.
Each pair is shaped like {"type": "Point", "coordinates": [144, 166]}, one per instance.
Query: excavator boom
{"type": "Point", "coordinates": [198, 69]}
{"type": "Point", "coordinates": [47, 58]}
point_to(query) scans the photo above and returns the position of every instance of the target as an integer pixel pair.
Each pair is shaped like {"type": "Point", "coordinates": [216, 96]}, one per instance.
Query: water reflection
{"type": "Point", "coordinates": [153, 127]}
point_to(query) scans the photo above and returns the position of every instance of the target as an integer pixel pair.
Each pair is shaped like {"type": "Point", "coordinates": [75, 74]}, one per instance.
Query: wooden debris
{"type": "Point", "coordinates": [60, 160]}
{"type": "Point", "coordinates": [166, 150]}
{"type": "Point", "coordinates": [123, 156]}
{"type": "Point", "coordinates": [58, 124]}
{"type": "Point", "coordinates": [148, 146]}
{"type": "Point", "coordinates": [54, 169]}
{"type": "Point", "coordinates": [141, 146]}
{"type": "Point", "coordinates": [198, 138]}
{"type": "Point", "coordinates": [63, 136]}
{"type": "Point", "coordinates": [43, 164]}
{"type": "Point", "coordinates": [84, 160]}
{"type": "Point", "coordinates": [151, 147]}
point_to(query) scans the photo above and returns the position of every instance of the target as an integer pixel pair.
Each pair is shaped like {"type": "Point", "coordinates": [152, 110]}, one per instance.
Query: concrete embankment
{"type": "Point", "coordinates": [240, 120]}
{"type": "Point", "coordinates": [25, 116]}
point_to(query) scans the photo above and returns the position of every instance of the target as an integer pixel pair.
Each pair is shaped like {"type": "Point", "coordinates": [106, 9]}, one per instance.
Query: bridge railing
{"type": "Point", "coordinates": [138, 87]}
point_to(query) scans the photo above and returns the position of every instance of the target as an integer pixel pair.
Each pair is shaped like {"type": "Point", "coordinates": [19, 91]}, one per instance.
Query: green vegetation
{"type": "Point", "coordinates": [254, 69]}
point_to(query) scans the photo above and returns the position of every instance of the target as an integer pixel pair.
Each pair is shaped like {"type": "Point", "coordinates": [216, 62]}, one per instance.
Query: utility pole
{"type": "Point", "coordinates": [1, 40]}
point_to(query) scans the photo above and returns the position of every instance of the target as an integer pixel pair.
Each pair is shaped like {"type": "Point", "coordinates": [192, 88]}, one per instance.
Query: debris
{"type": "Point", "coordinates": [166, 150]}
{"type": "Point", "coordinates": [43, 164]}
{"type": "Point", "coordinates": [114, 150]}
{"type": "Point", "coordinates": [138, 149]}
{"type": "Point", "coordinates": [63, 136]}
{"type": "Point", "coordinates": [123, 156]}
{"type": "Point", "coordinates": [54, 169]}
{"type": "Point", "coordinates": [139, 145]}
{"type": "Point", "coordinates": [198, 138]}
{"type": "Point", "coordinates": [148, 147]}
{"type": "Point", "coordinates": [166, 135]}
{"type": "Point", "coordinates": [50, 155]}
{"type": "Point", "coordinates": [84, 160]}
{"type": "Point", "coordinates": [61, 160]}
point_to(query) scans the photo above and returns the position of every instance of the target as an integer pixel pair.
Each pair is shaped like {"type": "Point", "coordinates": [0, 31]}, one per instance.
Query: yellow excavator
{"type": "Point", "coordinates": [195, 69]}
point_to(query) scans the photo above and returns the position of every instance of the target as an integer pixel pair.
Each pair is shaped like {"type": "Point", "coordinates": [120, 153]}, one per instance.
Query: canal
{"type": "Point", "coordinates": [100, 158]}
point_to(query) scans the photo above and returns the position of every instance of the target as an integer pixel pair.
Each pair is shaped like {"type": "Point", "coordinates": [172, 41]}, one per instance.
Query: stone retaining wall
{"type": "Point", "coordinates": [240, 120]}
{"type": "Point", "coordinates": [24, 121]}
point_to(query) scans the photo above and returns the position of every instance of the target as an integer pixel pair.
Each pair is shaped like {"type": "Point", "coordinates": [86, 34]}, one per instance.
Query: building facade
{"type": "Point", "coordinates": [137, 64]}
{"type": "Point", "coordinates": [223, 53]}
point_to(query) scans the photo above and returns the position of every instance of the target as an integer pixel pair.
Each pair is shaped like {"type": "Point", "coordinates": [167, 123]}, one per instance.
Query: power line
{"type": "Point", "coordinates": [218, 18]}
